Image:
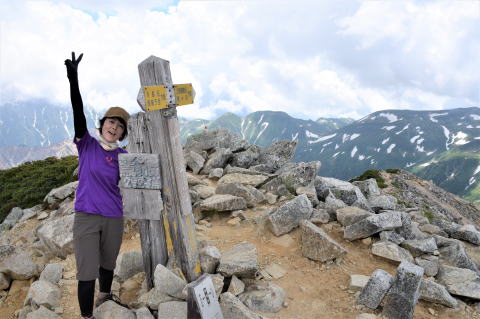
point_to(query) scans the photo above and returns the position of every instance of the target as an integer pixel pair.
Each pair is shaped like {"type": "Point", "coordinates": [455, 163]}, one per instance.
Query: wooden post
{"type": "Point", "coordinates": [161, 135]}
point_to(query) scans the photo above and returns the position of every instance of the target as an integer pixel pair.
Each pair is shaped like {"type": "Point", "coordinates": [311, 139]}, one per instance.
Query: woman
{"type": "Point", "coordinates": [98, 224]}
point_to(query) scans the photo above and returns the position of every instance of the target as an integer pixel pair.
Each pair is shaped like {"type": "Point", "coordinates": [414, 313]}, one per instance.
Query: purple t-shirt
{"type": "Point", "coordinates": [98, 177]}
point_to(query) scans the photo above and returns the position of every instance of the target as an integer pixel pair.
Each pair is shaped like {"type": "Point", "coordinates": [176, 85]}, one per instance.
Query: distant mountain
{"type": "Point", "coordinates": [39, 123]}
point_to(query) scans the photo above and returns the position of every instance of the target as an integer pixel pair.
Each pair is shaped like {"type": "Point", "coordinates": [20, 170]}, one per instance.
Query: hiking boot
{"type": "Point", "coordinates": [103, 296]}
{"type": "Point", "coordinates": [89, 317]}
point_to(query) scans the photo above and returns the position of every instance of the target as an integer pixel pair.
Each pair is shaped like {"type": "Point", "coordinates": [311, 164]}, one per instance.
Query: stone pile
{"type": "Point", "coordinates": [438, 258]}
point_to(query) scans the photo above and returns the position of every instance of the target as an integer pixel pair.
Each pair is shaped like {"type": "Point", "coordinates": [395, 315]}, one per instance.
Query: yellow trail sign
{"type": "Point", "coordinates": [164, 96]}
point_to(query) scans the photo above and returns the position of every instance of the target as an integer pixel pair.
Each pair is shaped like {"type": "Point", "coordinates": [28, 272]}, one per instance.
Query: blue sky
{"type": "Point", "coordinates": [308, 58]}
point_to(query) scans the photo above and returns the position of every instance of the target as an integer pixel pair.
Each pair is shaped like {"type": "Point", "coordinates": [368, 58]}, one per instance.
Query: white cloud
{"type": "Point", "coordinates": [309, 58]}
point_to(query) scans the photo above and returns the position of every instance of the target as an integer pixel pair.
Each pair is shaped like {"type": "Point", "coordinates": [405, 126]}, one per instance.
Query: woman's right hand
{"type": "Point", "coordinates": [72, 66]}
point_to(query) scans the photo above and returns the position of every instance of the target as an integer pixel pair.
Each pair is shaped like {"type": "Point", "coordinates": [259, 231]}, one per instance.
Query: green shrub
{"type": "Point", "coordinates": [27, 185]}
{"type": "Point", "coordinates": [392, 170]}
{"type": "Point", "coordinates": [371, 173]}
{"type": "Point", "coordinates": [429, 214]}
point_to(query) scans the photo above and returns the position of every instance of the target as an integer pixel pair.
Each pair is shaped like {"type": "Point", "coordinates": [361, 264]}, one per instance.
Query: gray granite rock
{"type": "Point", "coordinates": [358, 282]}
{"type": "Point", "coordinates": [217, 159]}
{"type": "Point", "coordinates": [430, 265]}
{"type": "Point", "coordinates": [57, 236]}
{"type": "Point", "coordinates": [166, 281]}
{"type": "Point", "coordinates": [289, 215]}
{"type": "Point", "coordinates": [233, 308]}
{"type": "Point", "coordinates": [247, 179]}
{"type": "Point", "coordinates": [153, 298]}
{"type": "Point", "coordinates": [324, 186]}
{"type": "Point", "coordinates": [222, 203]}
{"type": "Point", "coordinates": [408, 230]}
{"type": "Point", "coordinates": [30, 212]}
{"type": "Point", "coordinates": [467, 233]}
{"type": "Point", "coordinates": [392, 236]}
{"type": "Point", "coordinates": [454, 254]}
{"type": "Point", "coordinates": [403, 295]}
{"type": "Point", "coordinates": [448, 275]}
{"type": "Point", "coordinates": [4, 281]}
{"type": "Point", "coordinates": [172, 309]}
{"type": "Point", "coordinates": [58, 194]}
{"type": "Point", "coordinates": [264, 297]}
{"type": "Point", "coordinates": [128, 264]}
{"type": "Point", "coordinates": [470, 289]}
{"type": "Point", "coordinates": [194, 161]}
{"type": "Point", "coordinates": [236, 286]}
{"type": "Point", "coordinates": [218, 283]}
{"type": "Point", "coordinates": [372, 225]}
{"type": "Point", "coordinates": [251, 195]}
{"type": "Point", "coordinates": [143, 313]}
{"type": "Point", "coordinates": [42, 313]}
{"type": "Point", "coordinates": [332, 204]}
{"type": "Point", "coordinates": [432, 292]}
{"type": "Point", "coordinates": [241, 261]}
{"type": "Point", "coordinates": [420, 246]}
{"type": "Point", "coordinates": [350, 215]}
{"type": "Point", "coordinates": [245, 159]}
{"type": "Point", "coordinates": [310, 192]}
{"type": "Point", "coordinates": [277, 154]}
{"type": "Point", "coordinates": [43, 293]}
{"type": "Point", "coordinates": [17, 264]}
{"type": "Point", "coordinates": [193, 180]}
{"type": "Point", "coordinates": [317, 245]}
{"type": "Point", "coordinates": [293, 176]}
{"type": "Point", "coordinates": [382, 202]}
{"type": "Point", "coordinates": [209, 259]}
{"type": "Point", "coordinates": [391, 251]}
{"type": "Point", "coordinates": [110, 310]}
{"type": "Point", "coordinates": [215, 139]}
{"type": "Point", "coordinates": [52, 273]}
{"type": "Point", "coordinates": [204, 191]}
{"type": "Point", "coordinates": [216, 173]}
{"type": "Point", "coordinates": [13, 217]}
{"type": "Point", "coordinates": [320, 216]}
{"type": "Point", "coordinates": [376, 289]}
{"type": "Point", "coordinates": [369, 187]}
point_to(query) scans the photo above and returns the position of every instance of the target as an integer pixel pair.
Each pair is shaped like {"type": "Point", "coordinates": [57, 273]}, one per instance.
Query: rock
{"type": "Point", "coordinates": [317, 245]}
{"type": "Point", "coordinates": [264, 297]}
{"type": "Point", "coordinates": [17, 264]}
{"type": "Point", "coordinates": [408, 230]}
{"type": "Point", "coordinates": [30, 212]}
{"type": "Point", "coordinates": [236, 286]}
{"type": "Point", "coordinates": [194, 161]}
{"type": "Point", "coordinates": [215, 139]}
{"type": "Point", "coordinates": [128, 264]}
{"type": "Point", "coordinates": [420, 246]}
{"type": "Point", "coordinates": [235, 221]}
{"type": "Point", "coordinates": [109, 309]}
{"type": "Point", "coordinates": [429, 264]}
{"type": "Point", "coordinates": [294, 176]}
{"type": "Point", "coordinates": [289, 215]}
{"type": "Point", "coordinates": [247, 171]}
{"type": "Point", "coordinates": [192, 180]}
{"type": "Point", "coordinates": [216, 173]}
{"type": "Point", "coordinates": [323, 185]}
{"type": "Point", "coordinates": [277, 154]}
{"type": "Point", "coordinates": [345, 191]}
{"type": "Point", "coordinates": [467, 233]}
{"type": "Point", "coordinates": [233, 308]}
{"type": "Point", "coordinates": [143, 313]}
{"type": "Point", "coordinates": [43, 313]}
{"type": "Point", "coordinates": [419, 217]}
{"type": "Point", "coordinates": [403, 295]}
{"type": "Point", "coordinates": [376, 289]}
{"type": "Point", "coordinates": [194, 196]}
{"type": "Point", "coordinates": [222, 203]}
{"type": "Point", "coordinates": [332, 204]}
{"type": "Point", "coordinates": [470, 289]}
{"type": "Point", "coordinates": [391, 251]}
{"type": "Point", "coordinates": [310, 192]}
{"type": "Point", "coordinates": [42, 216]}
{"type": "Point", "coordinates": [241, 261]}
{"type": "Point", "coordinates": [166, 281]}
{"type": "Point", "coordinates": [432, 230]}
{"type": "Point", "coordinates": [251, 195]}
{"type": "Point", "coordinates": [60, 193]}
{"type": "Point", "coordinates": [204, 191]}
{"type": "Point", "coordinates": [382, 202]}
{"type": "Point", "coordinates": [358, 282]}
{"type": "Point", "coordinates": [209, 259]}
{"type": "Point", "coordinates": [455, 255]}
{"type": "Point", "coordinates": [4, 281]}
{"type": "Point", "coordinates": [392, 236]}
{"type": "Point", "coordinates": [271, 198]}
{"type": "Point", "coordinates": [218, 159]}
{"type": "Point", "coordinates": [52, 273]}
{"type": "Point", "coordinates": [153, 298]}
{"type": "Point", "coordinates": [246, 158]}
{"type": "Point", "coordinates": [218, 283]}
{"type": "Point", "coordinates": [366, 316]}
{"type": "Point", "coordinates": [43, 293]}
{"type": "Point", "coordinates": [369, 187]}
{"type": "Point", "coordinates": [432, 292]}
{"type": "Point", "coordinates": [372, 225]}
{"type": "Point", "coordinates": [350, 215]}
{"type": "Point", "coordinates": [448, 275]}
{"type": "Point", "coordinates": [57, 236]}
{"type": "Point", "coordinates": [247, 179]}
{"type": "Point", "coordinates": [172, 309]}
{"type": "Point", "coordinates": [320, 216]}
{"type": "Point", "coordinates": [275, 271]}
{"type": "Point", "coordinates": [13, 217]}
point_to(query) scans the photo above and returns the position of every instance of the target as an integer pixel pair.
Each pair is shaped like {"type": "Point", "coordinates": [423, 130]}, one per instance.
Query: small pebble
{"type": "Point", "coordinates": [431, 311]}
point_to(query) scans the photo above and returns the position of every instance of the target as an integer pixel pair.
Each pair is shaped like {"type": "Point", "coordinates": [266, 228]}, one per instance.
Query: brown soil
{"type": "Point", "coordinates": [313, 289]}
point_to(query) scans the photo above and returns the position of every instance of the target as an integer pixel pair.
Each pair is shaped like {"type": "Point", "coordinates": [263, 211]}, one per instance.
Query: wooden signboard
{"type": "Point", "coordinates": [203, 300]}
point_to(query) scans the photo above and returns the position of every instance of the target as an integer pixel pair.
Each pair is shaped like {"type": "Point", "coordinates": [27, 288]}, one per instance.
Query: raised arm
{"type": "Point", "coordinates": [79, 120]}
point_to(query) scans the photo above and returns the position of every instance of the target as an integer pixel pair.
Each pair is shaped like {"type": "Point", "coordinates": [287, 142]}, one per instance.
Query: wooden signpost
{"type": "Point", "coordinates": [165, 214]}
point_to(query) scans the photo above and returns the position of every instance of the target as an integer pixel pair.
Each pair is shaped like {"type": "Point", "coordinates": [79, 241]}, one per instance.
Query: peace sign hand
{"type": "Point", "coordinates": [72, 66]}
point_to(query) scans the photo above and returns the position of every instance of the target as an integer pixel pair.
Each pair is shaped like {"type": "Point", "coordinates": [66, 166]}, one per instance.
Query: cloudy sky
{"type": "Point", "coordinates": [310, 59]}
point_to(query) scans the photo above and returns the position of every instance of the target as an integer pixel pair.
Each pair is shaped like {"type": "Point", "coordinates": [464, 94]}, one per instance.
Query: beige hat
{"type": "Point", "coordinates": [117, 111]}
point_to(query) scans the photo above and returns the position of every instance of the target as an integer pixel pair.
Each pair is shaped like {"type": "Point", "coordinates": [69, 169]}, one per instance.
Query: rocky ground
{"type": "Point", "coordinates": [279, 241]}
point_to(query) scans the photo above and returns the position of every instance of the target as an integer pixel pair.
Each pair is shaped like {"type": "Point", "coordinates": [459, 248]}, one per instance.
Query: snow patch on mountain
{"type": "Point", "coordinates": [420, 141]}
{"type": "Point", "coordinates": [264, 127]}
{"type": "Point", "coordinates": [403, 129]}
{"type": "Point", "coordinates": [310, 134]}
{"type": "Point", "coordinates": [475, 117]}
{"type": "Point", "coordinates": [434, 115]}
{"type": "Point", "coordinates": [385, 140]}
{"type": "Point", "coordinates": [354, 150]}
{"type": "Point", "coordinates": [413, 139]}
{"type": "Point", "coordinates": [294, 136]}
{"type": "Point", "coordinates": [389, 116]}
{"type": "Point", "coordinates": [354, 136]}
{"type": "Point", "coordinates": [388, 128]}
{"type": "Point", "coordinates": [460, 138]}
{"type": "Point", "coordinates": [323, 138]}
{"type": "Point", "coordinates": [361, 157]}
{"type": "Point", "coordinates": [446, 132]}
{"type": "Point", "coordinates": [476, 170]}
{"type": "Point", "coordinates": [390, 148]}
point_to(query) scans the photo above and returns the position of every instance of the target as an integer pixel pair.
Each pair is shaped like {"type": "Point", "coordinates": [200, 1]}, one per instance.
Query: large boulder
{"type": "Point", "coordinates": [317, 245]}
{"type": "Point", "coordinates": [350, 215]}
{"type": "Point", "coordinates": [264, 297]}
{"type": "Point", "coordinates": [293, 176]}
{"type": "Point", "coordinates": [373, 224]}
{"type": "Point", "coordinates": [277, 154]}
{"type": "Point", "coordinates": [369, 187]}
{"type": "Point", "coordinates": [172, 309]}
{"type": "Point", "coordinates": [436, 293]}
{"type": "Point", "coordinates": [42, 313]}
{"type": "Point", "coordinates": [57, 235]}
{"type": "Point", "coordinates": [391, 251]}
{"type": "Point", "coordinates": [194, 161]}
{"type": "Point", "coordinates": [209, 259]}
{"type": "Point", "coordinates": [242, 178]}
{"type": "Point", "coordinates": [43, 293]}
{"type": "Point", "coordinates": [215, 139]}
{"type": "Point", "coordinates": [110, 310]}
{"type": "Point", "coordinates": [233, 308]}
{"type": "Point", "coordinates": [221, 203]}
{"type": "Point", "coordinates": [17, 264]}
{"type": "Point", "coordinates": [169, 283]}
{"type": "Point", "coordinates": [289, 215]}
{"type": "Point", "coordinates": [12, 218]}
{"type": "Point", "coordinates": [241, 261]}
{"type": "Point", "coordinates": [420, 247]}
{"type": "Point", "coordinates": [382, 202]}
{"type": "Point", "coordinates": [218, 159]}
{"type": "Point", "coordinates": [467, 233]}
{"type": "Point", "coordinates": [246, 158]}
{"type": "Point", "coordinates": [345, 191]}
{"type": "Point", "coordinates": [59, 194]}
{"type": "Point", "coordinates": [376, 288]}
{"type": "Point", "coordinates": [52, 273]}
{"type": "Point", "coordinates": [251, 195]}
{"type": "Point", "coordinates": [128, 264]}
